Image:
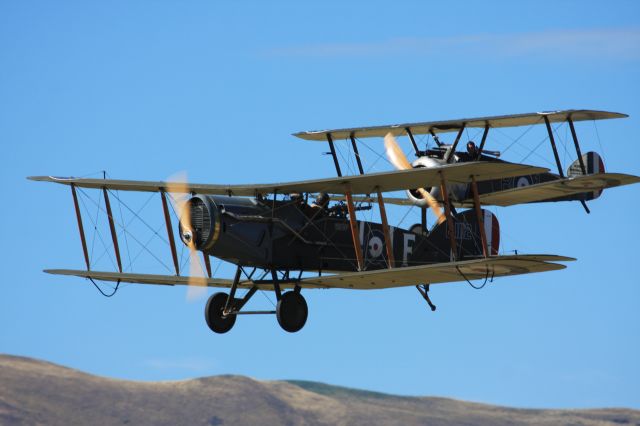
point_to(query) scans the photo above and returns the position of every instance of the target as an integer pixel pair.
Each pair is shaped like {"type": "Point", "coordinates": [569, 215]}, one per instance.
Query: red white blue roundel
{"type": "Point", "coordinates": [375, 246]}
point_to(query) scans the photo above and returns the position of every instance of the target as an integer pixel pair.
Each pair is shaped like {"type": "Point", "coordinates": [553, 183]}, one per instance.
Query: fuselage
{"type": "Point", "coordinates": [296, 236]}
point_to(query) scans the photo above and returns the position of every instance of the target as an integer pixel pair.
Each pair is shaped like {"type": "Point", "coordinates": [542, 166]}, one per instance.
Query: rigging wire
{"type": "Point", "coordinates": [93, 238]}
{"type": "Point", "coordinates": [96, 231]}
{"type": "Point", "coordinates": [126, 240]}
{"type": "Point", "coordinates": [137, 241]}
{"type": "Point", "coordinates": [595, 126]}
{"type": "Point", "coordinates": [533, 151]}
{"type": "Point", "coordinates": [516, 139]}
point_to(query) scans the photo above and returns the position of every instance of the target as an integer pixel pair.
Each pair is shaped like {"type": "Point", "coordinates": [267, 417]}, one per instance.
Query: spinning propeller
{"type": "Point", "coordinates": [399, 160]}
{"type": "Point", "coordinates": [197, 282]}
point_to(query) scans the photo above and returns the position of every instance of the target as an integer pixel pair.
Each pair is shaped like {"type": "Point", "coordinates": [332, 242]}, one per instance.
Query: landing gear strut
{"type": "Point", "coordinates": [424, 291]}
{"type": "Point", "coordinates": [291, 312]}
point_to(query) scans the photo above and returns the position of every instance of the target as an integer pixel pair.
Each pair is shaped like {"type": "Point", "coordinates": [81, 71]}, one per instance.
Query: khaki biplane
{"type": "Point", "coordinates": [279, 241]}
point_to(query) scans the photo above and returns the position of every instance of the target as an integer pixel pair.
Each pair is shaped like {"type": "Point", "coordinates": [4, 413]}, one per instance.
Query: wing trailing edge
{"type": "Point", "coordinates": [358, 184]}
{"type": "Point", "coordinates": [498, 266]}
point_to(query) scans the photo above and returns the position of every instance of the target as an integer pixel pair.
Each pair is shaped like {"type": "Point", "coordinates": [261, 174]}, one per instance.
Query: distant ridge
{"type": "Point", "coordinates": [37, 392]}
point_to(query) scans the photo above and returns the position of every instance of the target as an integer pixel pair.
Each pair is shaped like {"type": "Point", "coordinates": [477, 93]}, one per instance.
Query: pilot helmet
{"type": "Point", "coordinates": [322, 199]}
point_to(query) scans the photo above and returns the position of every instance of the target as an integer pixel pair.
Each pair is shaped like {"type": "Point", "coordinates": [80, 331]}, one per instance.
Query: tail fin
{"type": "Point", "coordinates": [593, 164]}
{"type": "Point", "coordinates": [467, 232]}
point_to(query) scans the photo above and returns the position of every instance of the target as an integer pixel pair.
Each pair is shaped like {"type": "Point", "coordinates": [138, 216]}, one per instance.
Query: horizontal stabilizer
{"type": "Point", "coordinates": [557, 189]}
{"type": "Point", "coordinates": [359, 184]}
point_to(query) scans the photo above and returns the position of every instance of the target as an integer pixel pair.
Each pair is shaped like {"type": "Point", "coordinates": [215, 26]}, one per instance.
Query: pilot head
{"type": "Point", "coordinates": [472, 149]}
{"type": "Point", "coordinates": [296, 197]}
{"type": "Point", "coordinates": [322, 199]}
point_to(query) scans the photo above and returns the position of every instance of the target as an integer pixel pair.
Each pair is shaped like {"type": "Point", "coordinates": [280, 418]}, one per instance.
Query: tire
{"type": "Point", "coordinates": [213, 314]}
{"type": "Point", "coordinates": [292, 311]}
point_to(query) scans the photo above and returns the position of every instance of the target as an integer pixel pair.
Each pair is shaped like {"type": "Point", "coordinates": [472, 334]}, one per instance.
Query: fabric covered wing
{"type": "Point", "coordinates": [154, 279]}
{"type": "Point", "coordinates": [499, 266]}
{"type": "Point", "coordinates": [557, 188]}
{"type": "Point", "coordinates": [381, 278]}
{"type": "Point", "coordinates": [360, 184]}
{"type": "Point", "coordinates": [423, 128]}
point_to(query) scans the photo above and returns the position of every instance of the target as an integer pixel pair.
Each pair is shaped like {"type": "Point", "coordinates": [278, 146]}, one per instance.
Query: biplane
{"type": "Point", "coordinates": [280, 242]}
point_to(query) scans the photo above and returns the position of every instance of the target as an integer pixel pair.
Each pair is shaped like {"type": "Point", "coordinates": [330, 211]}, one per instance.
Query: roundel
{"type": "Point", "coordinates": [522, 181]}
{"type": "Point", "coordinates": [375, 246]}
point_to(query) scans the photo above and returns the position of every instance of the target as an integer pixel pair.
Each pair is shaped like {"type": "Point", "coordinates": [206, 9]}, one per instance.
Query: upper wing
{"type": "Point", "coordinates": [359, 184]}
{"type": "Point", "coordinates": [556, 189]}
{"type": "Point", "coordinates": [512, 120]}
{"type": "Point", "coordinates": [382, 278]}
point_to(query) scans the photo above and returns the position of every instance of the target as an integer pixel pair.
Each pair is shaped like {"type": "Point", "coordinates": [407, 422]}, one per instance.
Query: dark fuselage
{"type": "Point", "coordinates": [295, 236]}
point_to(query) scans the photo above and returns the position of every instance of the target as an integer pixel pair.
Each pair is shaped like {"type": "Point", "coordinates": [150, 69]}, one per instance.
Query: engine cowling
{"type": "Point", "coordinates": [203, 220]}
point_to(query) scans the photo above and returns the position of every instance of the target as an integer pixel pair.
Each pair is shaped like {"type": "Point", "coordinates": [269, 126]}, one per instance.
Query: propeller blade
{"type": "Point", "coordinates": [395, 154]}
{"type": "Point", "coordinates": [179, 189]}
{"type": "Point", "coordinates": [197, 284]}
{"type": "Point", "coordinates": [399, 160]}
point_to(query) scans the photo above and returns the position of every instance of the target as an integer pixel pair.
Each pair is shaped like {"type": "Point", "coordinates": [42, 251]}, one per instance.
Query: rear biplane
{"type": "Point", "coordinates": [278, 241]}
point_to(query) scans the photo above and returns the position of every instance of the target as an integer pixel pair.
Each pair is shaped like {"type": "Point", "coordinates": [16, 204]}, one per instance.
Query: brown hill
{"type": "Point", "coordinates": [36, 392]}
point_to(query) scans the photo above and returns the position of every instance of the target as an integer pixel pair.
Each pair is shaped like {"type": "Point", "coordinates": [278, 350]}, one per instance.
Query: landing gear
{"type": "Point", "coordinates": [222, 309]}
{"type": "Point", "coordinates": [214, 314]}
{"type": "Point", "coordinates": [292, 311]}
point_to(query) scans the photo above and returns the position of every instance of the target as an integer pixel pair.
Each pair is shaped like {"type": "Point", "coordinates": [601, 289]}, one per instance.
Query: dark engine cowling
{"type": "Point", "coordinates": [203, 220]}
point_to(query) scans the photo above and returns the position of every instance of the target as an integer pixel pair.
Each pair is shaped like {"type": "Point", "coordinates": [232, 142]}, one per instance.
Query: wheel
{"type": "Point", "coordinates": [213, 314]}
{"type": "Point", "coordinates": [292, 311]}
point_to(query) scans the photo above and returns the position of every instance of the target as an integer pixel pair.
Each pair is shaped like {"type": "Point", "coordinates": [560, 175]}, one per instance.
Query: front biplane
{"type": "Point", "coordinates": [278, 241]}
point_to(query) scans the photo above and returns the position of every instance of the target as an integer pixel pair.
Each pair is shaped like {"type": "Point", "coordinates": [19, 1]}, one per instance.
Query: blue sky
{"type": "Point", "coordinates": [147, 89]}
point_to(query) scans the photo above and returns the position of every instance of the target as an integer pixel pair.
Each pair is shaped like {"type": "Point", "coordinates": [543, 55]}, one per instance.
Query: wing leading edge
{"type": "Point", "coordinates": [423, 128]}
{"type": "Point", "coordinates": [359, 184]}
{"type": "Point", "coordinates": [498, 266]}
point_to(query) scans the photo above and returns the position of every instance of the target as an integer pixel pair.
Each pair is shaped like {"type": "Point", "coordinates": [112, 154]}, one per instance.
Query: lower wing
{"type": "Point", "coordinates": [436, 273]}
{"type": "Point", "coordinates": [557, 189]}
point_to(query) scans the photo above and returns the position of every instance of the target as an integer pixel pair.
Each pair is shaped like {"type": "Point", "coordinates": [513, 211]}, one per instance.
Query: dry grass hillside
{"type": "Point", "coordinates": [35, 392]}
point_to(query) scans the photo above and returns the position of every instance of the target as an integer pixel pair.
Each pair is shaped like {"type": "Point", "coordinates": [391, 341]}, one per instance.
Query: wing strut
{"type": "Point", "coordinates": [385, 230]}
{"type": "Point", "coordinates": [354, 230]}
{"type": "Point", "coordinates": [356, 153]}
{"type": "Point", "coordinates": [207, 263]}
{"type": "Point", "coordinates": [580, 159]}
{"type": "Point", "coordinates": [553, 146]}
{"type": "Point", "coordinates": [112, 227]}
{"type": "Point", "coordinates": [413, 140]}
{"type": "Point", "coordinates": [333, 154]}
{"type": "Point", "coordinates": [451, 151]}
{"type": "Point", "coordinates": [80, 227]}
{"type": "Point", "coordinates": [476, 204]}
{"type": "Point", "coordinates": [450, 225]}
{"type": "Point", "coordinates": [172, 242]}
{"type": "Point", "coordinates": [484, 139]}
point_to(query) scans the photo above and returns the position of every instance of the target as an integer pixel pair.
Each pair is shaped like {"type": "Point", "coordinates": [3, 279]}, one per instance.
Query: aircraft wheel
{"type": "Point", "coordinates": [292, 311]}
{"type": "Point", "coordinates": [213, 314]}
